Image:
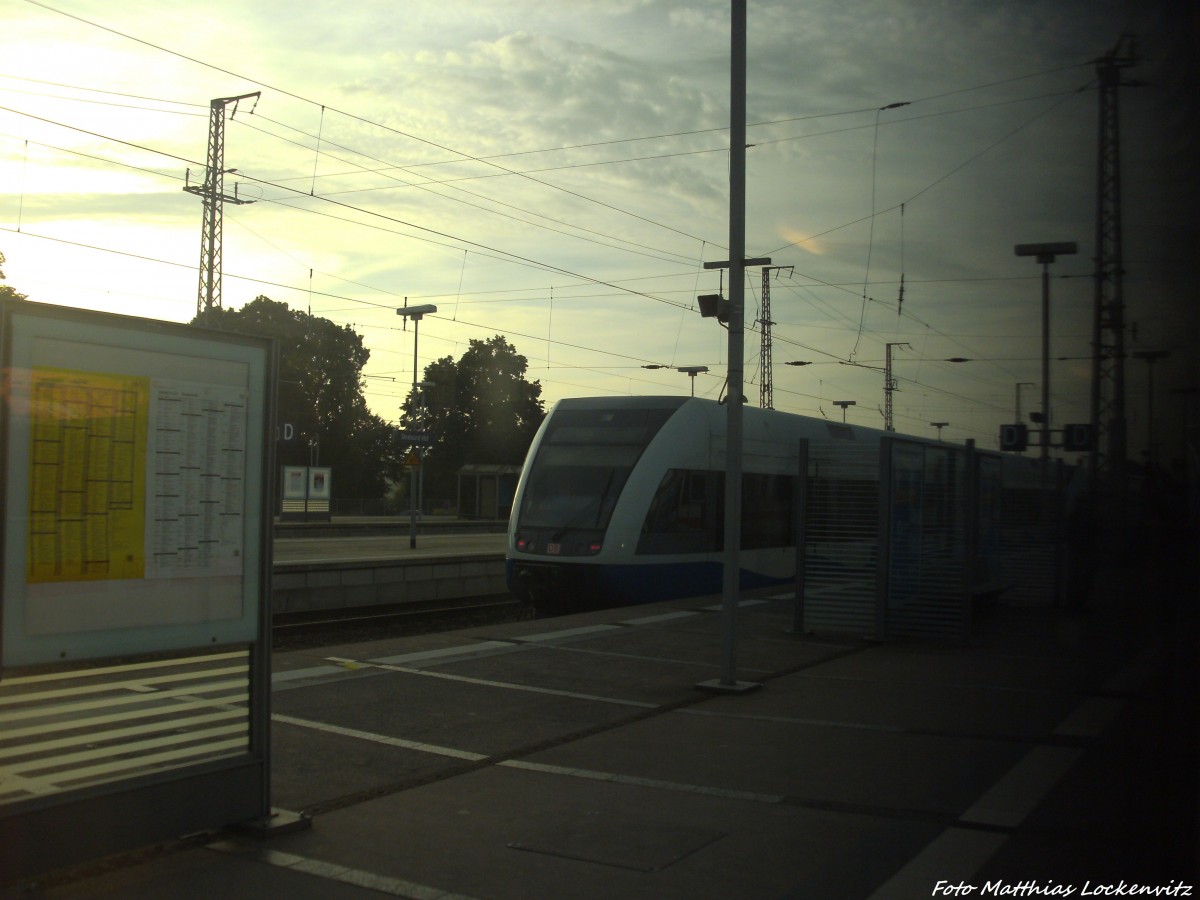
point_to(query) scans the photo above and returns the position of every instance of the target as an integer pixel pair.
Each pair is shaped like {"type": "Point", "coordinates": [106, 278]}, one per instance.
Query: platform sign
{"type": "Point", "coordinates": [295, 483]}
{"type": "Point", "coordinates": [132, 468]}
{"type": "Point", "coordinates": [320, 483]}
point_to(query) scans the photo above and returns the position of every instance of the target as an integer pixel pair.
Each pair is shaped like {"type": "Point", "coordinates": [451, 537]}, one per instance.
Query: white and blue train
{"type": "Point", "coordinates": [621, 501]}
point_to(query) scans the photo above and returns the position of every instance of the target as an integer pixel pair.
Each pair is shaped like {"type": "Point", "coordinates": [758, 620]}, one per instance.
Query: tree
{"type": "Point", "coordinates": [479, 410]}
{"type": "Point", "coordinates": [321, 396]}
{"type": "Point", "coordinates": [7, 292]}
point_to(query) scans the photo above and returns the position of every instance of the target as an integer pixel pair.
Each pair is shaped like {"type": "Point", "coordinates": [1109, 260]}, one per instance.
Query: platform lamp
{"type": "Point", "coordinates": [1017, 410]}
{"type": "Point", "coordinates": [415, 313]}
{"type": "Point", "coordinates": [1150, 357]}
{"type": "Point", "coordinates": [939, 426]}
{"type": "Point", "coordinates": [843, 404]}
{"type": "Point", "coordinates": [1046, 254]}
{"type": "Point", "coordinates": [692, 372]}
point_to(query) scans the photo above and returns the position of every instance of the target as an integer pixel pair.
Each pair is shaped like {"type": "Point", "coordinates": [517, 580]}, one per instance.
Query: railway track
{"type": "Point", "coordinates": [296, 631]}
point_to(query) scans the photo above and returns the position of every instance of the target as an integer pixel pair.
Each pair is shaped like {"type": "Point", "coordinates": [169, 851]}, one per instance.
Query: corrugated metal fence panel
{"type": "Point", "coordinates": [928, 567]}
{"type": "Point", "coordinates": [1028, 534]}
{"type": "Point", "coordinates": [987, 571]}
{"type": "Point", "coordinates": [73, 729]}
{"type": "Point", "coordinates": [842, 524]}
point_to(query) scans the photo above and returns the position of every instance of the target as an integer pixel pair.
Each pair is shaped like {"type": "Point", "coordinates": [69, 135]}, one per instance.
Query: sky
{"type": "Point", "coordinates": [558, 172]}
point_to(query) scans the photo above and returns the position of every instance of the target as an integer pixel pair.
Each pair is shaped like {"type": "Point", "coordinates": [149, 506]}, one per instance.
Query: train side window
{"type": "Point", "coordinates": [684, 514]}
{"type": "Point", "coordinates": [766, 511]}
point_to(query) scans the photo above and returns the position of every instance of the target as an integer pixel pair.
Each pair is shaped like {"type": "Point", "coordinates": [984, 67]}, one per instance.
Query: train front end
{"type": "Point", "coordinates": [579, 500]}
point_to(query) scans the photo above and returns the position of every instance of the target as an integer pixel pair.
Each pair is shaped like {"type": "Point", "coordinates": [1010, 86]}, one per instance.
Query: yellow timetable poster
{"type": "Point", "coordinates": [87, 476]}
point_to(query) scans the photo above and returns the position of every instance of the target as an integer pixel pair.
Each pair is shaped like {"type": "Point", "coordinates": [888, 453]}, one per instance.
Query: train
{"type": "Point", "coordinates": [620, 501]}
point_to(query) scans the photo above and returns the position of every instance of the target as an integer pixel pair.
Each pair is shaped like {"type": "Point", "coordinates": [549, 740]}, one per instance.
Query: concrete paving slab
{"type": "Point", "coordinates": [311, 767]}
{"type": "Point", "coordinates": [473, 837]}
{"type": "Point", "coordinates": [702, 648]}
{"type": "Point", "coordinates": [851, 767]}
{"type": "Point", "coordinates": [584, 764]}
{"type": "Point", "coordinates": [580, 670]}
{"type": "Point", "coordinates": [479, 718]}
{"type": "Point", "coordinates": [201, 874]}
{"type": "Point", "coordinates": [962, 709]}
{"type": "Point", "coordinates": [954, 665]}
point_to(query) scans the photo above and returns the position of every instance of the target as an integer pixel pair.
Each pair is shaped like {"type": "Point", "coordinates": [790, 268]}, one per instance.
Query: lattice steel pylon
{"type": "Point", "coordinates": [766, 382]}
{"type": "Point", "coordinates": [1108, 341]}
{"type": "Point", "coordinates": [212, 192]}
{"type": "Point", "coordinates": [889, 386]}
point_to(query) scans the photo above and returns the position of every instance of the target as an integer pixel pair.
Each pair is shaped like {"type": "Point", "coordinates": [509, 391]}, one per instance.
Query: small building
{"type": "Point", "coordinates": [485, 491]}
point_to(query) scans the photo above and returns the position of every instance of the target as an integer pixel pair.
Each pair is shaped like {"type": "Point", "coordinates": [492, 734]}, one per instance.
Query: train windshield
{"type": "Point", "coordinates": [582, 464]}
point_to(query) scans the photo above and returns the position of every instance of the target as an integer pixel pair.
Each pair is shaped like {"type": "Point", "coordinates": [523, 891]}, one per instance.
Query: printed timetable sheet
{"type": "Point", "coordinates": [87, 476]}
{"type": "Point", "coordinates": [133, 477]}
{"type": "Point", "coordinates": [199, 436]}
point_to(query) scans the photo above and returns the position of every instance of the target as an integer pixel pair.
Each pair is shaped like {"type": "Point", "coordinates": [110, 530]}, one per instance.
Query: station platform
{"type": "Point", "coordinates": [576, 757]}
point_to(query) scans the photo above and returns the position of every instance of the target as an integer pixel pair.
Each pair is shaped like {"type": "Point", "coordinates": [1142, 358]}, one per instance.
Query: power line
{"type": "Point", "coordinates": [1050, 108]}
{"type": "Point", "coordinates": [459, 240]}
{"type": "Point", "coordinates": [429, 185]}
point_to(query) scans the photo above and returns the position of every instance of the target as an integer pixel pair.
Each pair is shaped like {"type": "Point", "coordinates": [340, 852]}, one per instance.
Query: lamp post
{"type": "Point", "coordinates": [1151, 357]}
{"type": "Point", "coordinates": [843, 404]}
{"type": "Point", "coordinates": [415, 314]}
{"type": "Point", "coordinates": [939, 426]}
{"type": "Point", "coordinates": [423, 388]}
{"type": "Point", "coordinates": [692, 372]}
{"type": "Point", "coordinates": [734, 313]}
{"type": "Point", "coordinates": [1017, 411]}
{"type": "Point", "coordinates": [1046, 254]}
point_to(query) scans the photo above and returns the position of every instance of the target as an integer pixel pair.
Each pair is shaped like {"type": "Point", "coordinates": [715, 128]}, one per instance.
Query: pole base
{"type": "Point", "coordinates": [278, 822]}
{"type": "Point", "coordinates": [717, 686]}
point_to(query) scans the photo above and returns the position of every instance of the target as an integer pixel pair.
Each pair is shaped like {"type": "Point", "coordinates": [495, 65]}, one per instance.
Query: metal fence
{"type": "Point", "coordinates": [903, 539]}
{"type": "Point", "coordinates": [841, 538]}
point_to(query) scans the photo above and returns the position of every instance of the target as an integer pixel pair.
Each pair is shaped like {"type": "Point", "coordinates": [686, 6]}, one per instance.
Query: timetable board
{"type": "Point", "coordinates": [134, 496]}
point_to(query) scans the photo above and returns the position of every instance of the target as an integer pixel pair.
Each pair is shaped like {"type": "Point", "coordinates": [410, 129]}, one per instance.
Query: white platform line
{"type": "Point", "coordinates": [300, 674]}
{"type": "Point", "coordinates": [582, 631]}
{"type": "Point", "coordinates": [741, 604]}
{"type": "Point", "coordinates": [1130, 678]}
{"type": "Point", "coordinates": [384, 884]}
{"type": "Point", "coordinates": [512, 686]}
{"type": "Point", "coordinates": [661, 617]}
{"type": "Point", "coordinates": [379, 738]}
{"type": "Point", "coordinates": [443, 653]}
{"type": "Point", "coordinates": [792, 720]}
{"type": "Point", "coordinates": [953, 857]}
{"type": "Point", "coordinates": [1090, 718]}
{"type": "Point", "coordinates": [1013, 797]}
{"type": "Point", "coordinates": [658, 784]}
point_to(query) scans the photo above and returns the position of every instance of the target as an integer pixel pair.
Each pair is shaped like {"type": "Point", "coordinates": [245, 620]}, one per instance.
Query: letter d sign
{"type": "Point", "coordinates": [289, 431]}
{"type": "Point", "coordinates": [1077, 437]}
{"type": "Point", "coordinates": [1014, 437]}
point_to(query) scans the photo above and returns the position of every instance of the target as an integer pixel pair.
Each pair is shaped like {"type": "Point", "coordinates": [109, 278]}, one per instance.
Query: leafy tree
{"type": "Point", "coordinates": [321, 396]}
{"type": "Point", "coordinates": [480, 409]}
{"type": "Point", "coordinates": [8, 292]}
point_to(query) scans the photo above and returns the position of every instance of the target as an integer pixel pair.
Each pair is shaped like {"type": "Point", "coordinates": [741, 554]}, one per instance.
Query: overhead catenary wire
{"type": "Point", "coordinates": [284, 92]}
{"type": "Point", "coordinates": [465, 251]}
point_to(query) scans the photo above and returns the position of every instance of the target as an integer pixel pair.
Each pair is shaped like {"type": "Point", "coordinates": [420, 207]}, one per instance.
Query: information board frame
{"type": "Point", "coordinates": [203, 579]}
